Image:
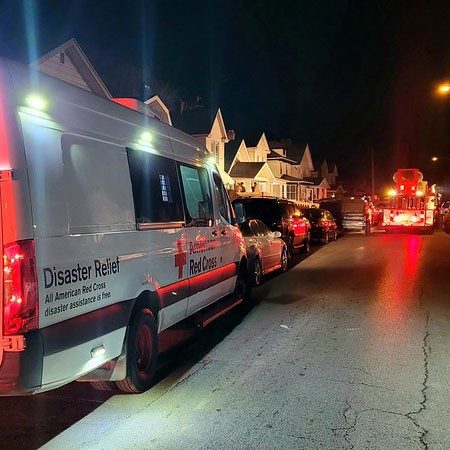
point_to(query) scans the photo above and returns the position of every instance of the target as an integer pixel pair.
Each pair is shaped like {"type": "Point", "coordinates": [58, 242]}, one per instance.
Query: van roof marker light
{"type": "Point", "coordinates": [36, 101]}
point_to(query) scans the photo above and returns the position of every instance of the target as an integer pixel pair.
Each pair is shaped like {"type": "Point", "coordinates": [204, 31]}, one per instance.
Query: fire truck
{"type": "Point", "coordinates": [411, 205]}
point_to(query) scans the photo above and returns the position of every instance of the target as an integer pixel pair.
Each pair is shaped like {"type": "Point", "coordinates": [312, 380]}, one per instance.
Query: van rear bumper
{"type": "Point", "coordinates": [36, 369]}
{"type": "Point", "coordinates": [21, 372]}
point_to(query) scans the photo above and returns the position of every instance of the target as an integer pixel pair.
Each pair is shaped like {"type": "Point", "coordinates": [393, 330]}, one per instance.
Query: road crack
{"type": "Point", "coordinates": [350, 416]}
{"type": "Point", "coordinates": [426, 350]}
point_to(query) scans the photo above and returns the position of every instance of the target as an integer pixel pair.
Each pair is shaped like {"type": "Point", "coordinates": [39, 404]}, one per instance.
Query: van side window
{"type": "Point", "coordinates": [156, 192]}
{"type": "Point", "coordinates": [222, 200]}
{"type": "Point", "coordinates": [97, 186]}
{"type": "Point", "coordinates": [197, 196]}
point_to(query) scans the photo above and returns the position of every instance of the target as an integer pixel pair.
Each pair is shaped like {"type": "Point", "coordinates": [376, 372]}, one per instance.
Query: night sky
{"type": "Point", "coordinates": [344, 76]}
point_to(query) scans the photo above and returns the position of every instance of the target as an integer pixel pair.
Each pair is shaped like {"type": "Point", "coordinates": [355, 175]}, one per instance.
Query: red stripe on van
{"type": "Point", "coordinates": [175, 292]}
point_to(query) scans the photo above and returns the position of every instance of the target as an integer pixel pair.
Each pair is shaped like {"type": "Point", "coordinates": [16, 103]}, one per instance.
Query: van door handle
{"type": "Point", "coordinates": [215, 233]}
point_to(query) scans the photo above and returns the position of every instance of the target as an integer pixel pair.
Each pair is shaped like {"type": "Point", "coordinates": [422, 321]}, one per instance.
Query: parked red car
{"type": "Point", "coordinates": [279, 215]}
{"type": "Point", "coordinates": [323, 225]}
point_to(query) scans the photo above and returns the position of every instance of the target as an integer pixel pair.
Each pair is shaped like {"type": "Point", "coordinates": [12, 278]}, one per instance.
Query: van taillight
{"type": "Point", "coordinates": [20, 290]}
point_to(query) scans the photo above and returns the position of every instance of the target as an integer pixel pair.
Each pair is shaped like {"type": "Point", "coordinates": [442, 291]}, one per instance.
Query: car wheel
{"type": "Point", "coordinates": [307, 244]}
{"type": "Point", "coordinates": [290, 248]}
{"type": "Point", "coordinates": [257, 272]}
{"type": "Point", "coordinates": [325, 238]}
{"type": "Point", "coordinates": [284, 260]}
{"type": "Point", "coordinates": [142, 352]}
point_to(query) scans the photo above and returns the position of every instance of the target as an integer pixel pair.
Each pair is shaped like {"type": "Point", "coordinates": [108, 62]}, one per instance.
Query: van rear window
{"type": "Point", "coordinates": [156, 191]}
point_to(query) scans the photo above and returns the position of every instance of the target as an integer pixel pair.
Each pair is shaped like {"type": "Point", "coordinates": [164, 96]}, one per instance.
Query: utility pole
{"type": "Point", "coordinates": [373, 174]}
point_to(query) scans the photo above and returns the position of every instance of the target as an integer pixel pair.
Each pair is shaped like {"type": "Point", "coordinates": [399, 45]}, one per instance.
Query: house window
{"type": "Point", "coordinates": [215, 150]}
{"type": "Point", "coordinates": [291, 191]}
{"type": "Point", "coordinates": [62, 57]}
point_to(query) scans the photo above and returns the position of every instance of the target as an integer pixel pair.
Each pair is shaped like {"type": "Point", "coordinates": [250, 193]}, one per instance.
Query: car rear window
{"type": "Point", "coordinates": [268, 211]}
{"type": "Point", "coordinates": [313, 213]}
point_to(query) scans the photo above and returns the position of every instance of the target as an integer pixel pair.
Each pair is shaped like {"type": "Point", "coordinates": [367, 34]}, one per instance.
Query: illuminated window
{"type": "Point", "coordinates": [166, 193]}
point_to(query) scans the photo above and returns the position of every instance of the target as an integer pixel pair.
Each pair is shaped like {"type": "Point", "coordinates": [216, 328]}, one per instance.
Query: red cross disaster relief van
{"type": "Point", "coordinates": [114, 227]}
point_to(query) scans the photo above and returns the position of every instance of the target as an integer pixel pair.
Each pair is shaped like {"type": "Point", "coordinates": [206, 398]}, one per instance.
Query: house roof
{"type": "Point", "coordinates": [82, 64]}
{"type": "Point", "coordinates": [298, 180]}
{"type": "Point", "coordinates": [231, 149]}
{"type": "Point", "coordinates": [159, 108]}
{"type": "Point", "coordinates": [246, 169]}
{"type": "Point", "coordinates": [294, 150]}
{"type": "Point", "coordinates": [274, 155]}
{"type": "Point", "coordinates": [317, 181]}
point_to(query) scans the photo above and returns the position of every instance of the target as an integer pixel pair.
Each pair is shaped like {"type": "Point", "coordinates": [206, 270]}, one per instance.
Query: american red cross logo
{"type": "Point", "coordinates": [180, 258]}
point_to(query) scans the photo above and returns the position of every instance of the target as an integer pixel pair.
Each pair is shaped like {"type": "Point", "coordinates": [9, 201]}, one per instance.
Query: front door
{"type": "Point", "coordinates": [203, 239]}
{"type": "Point", "coordinates": [226, 227]}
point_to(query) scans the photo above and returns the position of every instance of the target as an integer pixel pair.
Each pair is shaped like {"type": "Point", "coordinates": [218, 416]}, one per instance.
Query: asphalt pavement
{"type": "Point", "coordinates": [348, 349]}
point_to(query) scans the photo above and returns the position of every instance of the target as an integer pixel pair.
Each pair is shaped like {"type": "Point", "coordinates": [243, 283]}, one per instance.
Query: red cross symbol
{"type": "Point", "coordinates": [180, 258]}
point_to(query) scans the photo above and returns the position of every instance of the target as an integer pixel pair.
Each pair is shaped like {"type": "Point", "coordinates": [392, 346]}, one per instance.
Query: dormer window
{"type": "Point", "coordinates": [62, 57]}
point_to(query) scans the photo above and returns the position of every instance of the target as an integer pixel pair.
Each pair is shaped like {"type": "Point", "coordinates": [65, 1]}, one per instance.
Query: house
{"type": "Point", "coordinates": [69, 63]}
{"type": "Point", "coordinates": [332, 175]}
{"type": "Point", "coordinates": [319, 188]}
{"type": "Point", "coordinates": [211, 132]}
{"type": "Point", "coordinates": [250, 169]}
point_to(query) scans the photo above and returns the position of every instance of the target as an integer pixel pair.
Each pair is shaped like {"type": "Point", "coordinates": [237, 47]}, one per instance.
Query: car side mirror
{"type": "Point", "coordinates": [276, 234]}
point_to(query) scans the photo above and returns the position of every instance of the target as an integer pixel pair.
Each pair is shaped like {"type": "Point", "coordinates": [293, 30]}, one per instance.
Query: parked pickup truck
{"type": "Point", "coordinates": [351, 213]}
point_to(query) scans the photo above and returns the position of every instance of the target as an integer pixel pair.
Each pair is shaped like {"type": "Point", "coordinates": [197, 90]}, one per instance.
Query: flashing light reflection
{"type": "Point", "coordinates": [36, 101]}
{"type": "Point", "coordinates": [146, 136]}
{"type": "Point", "coordinates": [398, 287]}
{"type": "Point", "coordinates": [392, 192]}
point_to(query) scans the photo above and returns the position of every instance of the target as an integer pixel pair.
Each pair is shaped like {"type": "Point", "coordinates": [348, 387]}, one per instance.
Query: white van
{"type": "Point", "coordinates": [114, 227]}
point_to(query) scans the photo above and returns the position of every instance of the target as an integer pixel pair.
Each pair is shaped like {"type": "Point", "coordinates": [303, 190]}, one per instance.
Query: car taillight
{"type": "Point", "coordinates": [20, 291]}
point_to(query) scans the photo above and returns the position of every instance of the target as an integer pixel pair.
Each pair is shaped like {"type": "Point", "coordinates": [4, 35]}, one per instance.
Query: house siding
{"type": "Point", "coordinates": [66, 71]}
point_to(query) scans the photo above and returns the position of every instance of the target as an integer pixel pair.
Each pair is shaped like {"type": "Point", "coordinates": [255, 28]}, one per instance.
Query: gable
{"type": "Point", "coordinates": [159, 108]}
{"type": "Point", "coordinates": [241, 155]}
{"type": "Point", "coordinates": [306, 161]}
{"type": "Point", "coordinates": [265, 172]}
{"type": "Point", "coordinates": [69, 63]}
{"type": "Point", "coordinates": [218, 130]}
{"type": "Point", "coordinates": [64, 71]}
{"type": "Point", "coordinates": [263, 144]}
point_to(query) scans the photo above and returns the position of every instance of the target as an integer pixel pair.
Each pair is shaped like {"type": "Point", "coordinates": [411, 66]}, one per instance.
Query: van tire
{"type": "Point", "coordinates": [106, 386]}
{"type": "Point", "coordinates": [243, 287]}
{"type": "Point", "coordinates": [142, 353]}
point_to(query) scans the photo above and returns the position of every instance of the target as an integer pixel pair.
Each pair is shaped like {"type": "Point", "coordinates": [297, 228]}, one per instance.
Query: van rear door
{"type": "Point", "coordinates": [11, 343]}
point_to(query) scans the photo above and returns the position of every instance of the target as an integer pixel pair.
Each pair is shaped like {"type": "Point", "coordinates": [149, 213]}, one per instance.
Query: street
{"type": "Point", "coordinates": [348, 349]}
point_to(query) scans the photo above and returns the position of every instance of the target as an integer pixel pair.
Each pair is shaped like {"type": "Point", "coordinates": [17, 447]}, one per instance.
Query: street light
{"type": "Point", "coordinates": [438, 158]}
{"type": "Point", "coordinates": [443, 89]}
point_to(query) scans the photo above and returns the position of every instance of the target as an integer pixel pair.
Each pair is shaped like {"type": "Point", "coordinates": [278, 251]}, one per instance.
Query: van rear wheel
{"type": "Point", "coordinates": [142, 353]}
{"type": "Point", "coordinates": [243, 287]}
